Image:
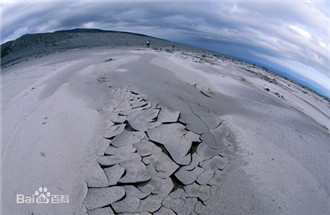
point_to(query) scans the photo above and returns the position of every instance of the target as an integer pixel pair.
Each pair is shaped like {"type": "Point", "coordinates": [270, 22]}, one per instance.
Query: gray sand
{"type": "Point", "coordinates": [205, 136]}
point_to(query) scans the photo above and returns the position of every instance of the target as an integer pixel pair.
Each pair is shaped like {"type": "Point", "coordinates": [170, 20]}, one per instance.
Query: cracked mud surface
{"type": "Point", "coordinates": [154, 164]}
{"type": "Point", "coordinates": [184, 138]}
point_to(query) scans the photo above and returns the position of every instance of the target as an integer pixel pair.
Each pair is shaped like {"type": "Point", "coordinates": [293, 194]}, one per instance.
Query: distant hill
{"type": "Point", "coordinates": [32, 45]}
{"type": "Point", "coordinates": [93, 30]}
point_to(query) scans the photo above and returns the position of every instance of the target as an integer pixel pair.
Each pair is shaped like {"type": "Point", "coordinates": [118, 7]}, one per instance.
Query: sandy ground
{"type": "Point", "coordinates": [57, 109]}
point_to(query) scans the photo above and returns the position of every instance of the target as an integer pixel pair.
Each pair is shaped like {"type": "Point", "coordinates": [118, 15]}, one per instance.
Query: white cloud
{"type": "Point", "coordinates": [300, 31]}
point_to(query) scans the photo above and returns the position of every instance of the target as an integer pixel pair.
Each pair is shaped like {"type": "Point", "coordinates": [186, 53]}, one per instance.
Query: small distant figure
{"type": "Point", "coordinates": [148, 43]}
{"type": "Point", "coordinates": [173, 46]}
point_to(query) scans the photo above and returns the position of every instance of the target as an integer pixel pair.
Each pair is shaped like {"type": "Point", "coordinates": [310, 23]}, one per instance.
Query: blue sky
{"type": "Point", "coordinates": [291, 37]}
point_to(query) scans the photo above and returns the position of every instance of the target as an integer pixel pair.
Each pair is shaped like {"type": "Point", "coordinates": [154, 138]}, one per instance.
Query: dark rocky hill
{"type": "Point", "coordinates": [32, 45]}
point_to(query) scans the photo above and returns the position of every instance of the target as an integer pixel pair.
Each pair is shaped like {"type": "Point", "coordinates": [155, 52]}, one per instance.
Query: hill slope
{"type": "Point", "coordinates": [40, 44]}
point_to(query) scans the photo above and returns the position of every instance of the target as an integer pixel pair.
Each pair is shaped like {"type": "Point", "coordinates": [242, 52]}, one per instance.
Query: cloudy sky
{"type": "Point", "coordinates": [290, 37]}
